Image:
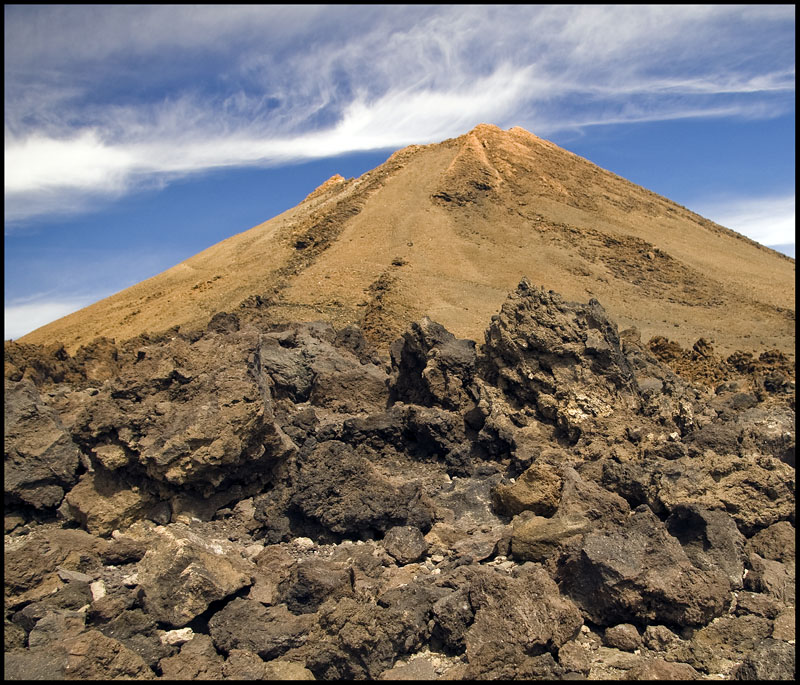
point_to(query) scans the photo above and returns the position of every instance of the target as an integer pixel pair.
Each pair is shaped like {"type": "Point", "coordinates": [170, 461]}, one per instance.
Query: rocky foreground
{"type": "Point", "coordinates": [256, 502]}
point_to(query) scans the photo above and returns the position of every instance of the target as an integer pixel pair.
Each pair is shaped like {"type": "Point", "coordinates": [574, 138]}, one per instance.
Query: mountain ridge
{"type": "Point", "coordinates": [445, 230]}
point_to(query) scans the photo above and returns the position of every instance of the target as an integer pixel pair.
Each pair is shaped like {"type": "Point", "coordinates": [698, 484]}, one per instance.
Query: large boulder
{"type": "Point", "coordinates": [40, 461]}
{"type": "Point", "coordinates": [563, 358]}
{"type": "Point", "coordinates": [341, 490]}
{"type": "Point", "coordinates": [430, 366]}
{"type": "Point", "coordinates": [187, 414]}
{"type": "Point", "coordinates": [31, 562]}
{"type": "Point", "coordinates": [312, 363]}
{"type": "Point", "coordinates": [526, 609]}
{"type": "Point", "coordinates": [183, 573]}
{"type": "Point", "coordinates": [710, 540]}
{"type": "Point", "coordinates": [640, 574]}
{"type": "Point", "coordinates": [266, 631]}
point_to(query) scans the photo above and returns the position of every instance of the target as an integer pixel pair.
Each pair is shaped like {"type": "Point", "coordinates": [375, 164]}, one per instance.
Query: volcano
{"type": "Point", "coordinates": [285, 467]}
{"type": "Point", "coordinates": [447, 230]}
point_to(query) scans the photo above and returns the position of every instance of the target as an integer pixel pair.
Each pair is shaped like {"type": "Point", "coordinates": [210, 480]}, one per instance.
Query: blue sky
{"type": "Point", "coordinates": [136, 136]}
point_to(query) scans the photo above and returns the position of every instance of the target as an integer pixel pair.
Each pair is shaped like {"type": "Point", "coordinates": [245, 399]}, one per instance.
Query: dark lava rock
{"type": "Point", "coordinates": [432, 367]}
{"type": "Point", "coordinates": [187, 414]}
{"type": "Point", "coordinates": [295, 507]}
{"type": "Point", "coordinates": [405, 543]}
{"type": "Point", "coordinates": [346, 494]}
{"type": "Point", "coordinates": [770, 660]}
{"type": "Point", "coordinates": [40, 461]}
{"type": "Point", "coordinates": [710, 540]}
{"type": "Point", "coordinates": [358, 639]}
{"type": "Point", "coordinates": [623, 636]}
{"type": "Point", "coordinates": [563, 358]}
{"type": "Point", "coordinates": [311, 582]}
{"type": "Point", "coordinates": [266, 631]}
{"type": "Point", "coordinates": [197, 660]}
{"type": "Point", "coordinates": [640, 573]}
{"type": "Point", "coordinates": [777, 542]}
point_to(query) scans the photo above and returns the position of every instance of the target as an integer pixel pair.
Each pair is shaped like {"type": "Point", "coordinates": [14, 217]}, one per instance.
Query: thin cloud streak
{"type": "Point", "coordinates": [365, 79]}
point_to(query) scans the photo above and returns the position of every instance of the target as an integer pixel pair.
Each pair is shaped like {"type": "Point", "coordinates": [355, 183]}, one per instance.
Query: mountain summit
{"type": "Point", "coordinates": [446, 230]}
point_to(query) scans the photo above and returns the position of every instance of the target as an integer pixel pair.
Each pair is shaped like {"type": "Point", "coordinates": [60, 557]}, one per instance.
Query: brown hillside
{"type": "Point", "coordinates": [447, 230]}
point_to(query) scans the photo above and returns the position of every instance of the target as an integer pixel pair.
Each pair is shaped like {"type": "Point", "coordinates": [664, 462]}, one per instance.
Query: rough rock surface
{"type": "Point", "coordinates": [41, 460]}
{"type": "Point", "coordinates": [279, 502]}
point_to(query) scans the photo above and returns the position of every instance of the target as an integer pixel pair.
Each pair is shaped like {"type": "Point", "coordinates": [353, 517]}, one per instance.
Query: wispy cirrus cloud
{"type": "Point", "coordinates": [104, 100]}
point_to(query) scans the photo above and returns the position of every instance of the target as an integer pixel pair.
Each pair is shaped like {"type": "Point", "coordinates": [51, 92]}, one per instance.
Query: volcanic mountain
{"type": "Point", "coordinates": [446, 230]}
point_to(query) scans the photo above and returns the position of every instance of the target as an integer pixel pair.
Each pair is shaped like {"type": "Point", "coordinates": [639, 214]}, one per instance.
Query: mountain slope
{"type": "Point", "coordinates": [446, 230]}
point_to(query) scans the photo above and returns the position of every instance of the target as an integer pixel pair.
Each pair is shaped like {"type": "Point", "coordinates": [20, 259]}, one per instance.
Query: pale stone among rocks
{"type": "Point", "coordinates": [131, 580]}
{"type": "Point", "coordinates": [304, 543]}
{"type": "Point", "coordinates": [177, 637]}
{"type": "Point", "coordinates": [98, 590]}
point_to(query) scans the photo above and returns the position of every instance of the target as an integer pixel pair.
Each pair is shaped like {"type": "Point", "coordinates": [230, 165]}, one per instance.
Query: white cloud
{"type": "Point", "coordinates": [102, 100]}
{"type": "Point", "coordinates": [767, 220]}
{"type": "Point", "coordinates": [21, 319]}
{"type": "Point", "coordinates": [38, 163]}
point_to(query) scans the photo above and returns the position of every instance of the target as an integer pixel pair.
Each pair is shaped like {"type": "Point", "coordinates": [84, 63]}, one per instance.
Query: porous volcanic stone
{"type": "Point", "coordinates": [623, 636]}
{"type": "Point", "coordinates": [640, 573]}
{"type": "Point", "coordinates": [405, 543]}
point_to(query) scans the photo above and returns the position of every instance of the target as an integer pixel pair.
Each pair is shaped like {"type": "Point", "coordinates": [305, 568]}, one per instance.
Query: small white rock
{"type": "Point", "coordinates": [177, 637]}
{"type": "Point", "coordinates": [131, 581]}
{"type": "Point", "coordinates": [98, 590]}
{"type": "Point", "coordinates": [252, 551]}
{"type": "Point", "coordinates": [437, 558]}
{"type": "Point", "coordinates": [304, 543]}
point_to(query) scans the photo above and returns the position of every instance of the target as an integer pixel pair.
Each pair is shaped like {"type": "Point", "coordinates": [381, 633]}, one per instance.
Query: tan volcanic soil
{"type": "Point", "coordinates": [447, 230]}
